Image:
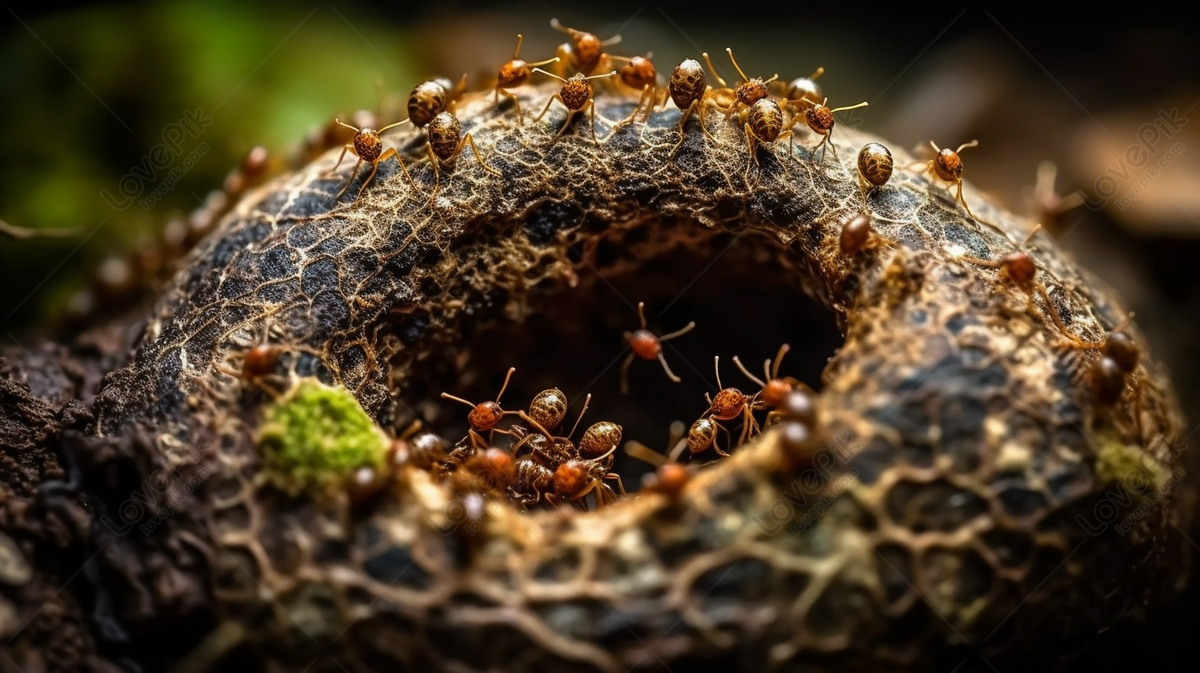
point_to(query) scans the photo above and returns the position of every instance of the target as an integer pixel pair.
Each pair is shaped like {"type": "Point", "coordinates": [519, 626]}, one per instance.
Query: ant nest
{"type": "Point", "coordinates": [958, 403]}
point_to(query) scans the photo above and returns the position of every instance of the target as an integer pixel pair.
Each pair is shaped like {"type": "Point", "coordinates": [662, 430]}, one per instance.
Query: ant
{"type": "Point", "coordinates": [775, 390]}
{"type": "Point", "coordinates": [947, 165]}
{"type": "Point", "coordinates": [586, 51]}
{"type": "Point", "coordinates": [599, 440]}
{"type": "Point", "coordinates": [746, 94]}
{"type": "Point", "coordinates": [700, 436]}
{"type": "Point", "coordinates": [421, 449]}
{"type": "Point", "coordinates": [486, 415]}
{"type": "Point", "coordinates": [1020, 269]}
{"type": "Point", "coordinates": [545, 446]}
{"type": "Point", "coordinates": [575, 95]}
{"type": "Point", "coordinates": [445, 141]}
{"type": "Point", "coordinates": [856, 234]}
{"type": "Point", "coordinates": [669, 479]}
{"type": "Point", "coordinates": [648, 346]}
{"type": "Point", "coordinates": [1050, 206]}
{"type": "Point", "coordinates": [804, 91]}
{"type": "Point", "coordinates": [820, 119]}
{"type": "Point", "coordinates": [576, 478]}
{"type": "Point", "coordinates": [368, 147]}
{"type": "Point", "coordinates": [764, 124]}
{"type": "Point", "coordinates": [875, 166]}
{"type": "Point", "coordinates": [549, 408]}
{"type": "Point", "coordinates": [433, 96]}
{"type": "Point", "coordinates": [639, 74]}
{"type": "Point", "coordinates": [515, 73]}
{"type": "Point", "coordinates": [688, 89]}
{"type": "Point", "coordinates": [730, 403]}
{"type": "Point", "coordinates": [1119, 358]}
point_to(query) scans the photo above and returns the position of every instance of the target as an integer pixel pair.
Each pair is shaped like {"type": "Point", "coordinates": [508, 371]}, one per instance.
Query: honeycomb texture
{"type": "Point", "coordinates": [962, 438]}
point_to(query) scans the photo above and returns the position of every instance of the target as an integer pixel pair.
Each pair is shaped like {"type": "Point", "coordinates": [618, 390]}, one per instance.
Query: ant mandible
{"type": "Point", "coordinates": [648, 346]}
{"type": "Point", "coordinates": [575, 95]}
{"type": "Point", "coordinates": [367, 146]}
{"type": "Point", "coordinates": [515, 73]}
{"type": "Point", "coordinates": [586, 51]}
{"type": "Point", "coordinates": [485, 416]}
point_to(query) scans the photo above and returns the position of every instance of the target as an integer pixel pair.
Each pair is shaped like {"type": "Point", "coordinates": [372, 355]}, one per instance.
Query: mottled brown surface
{"type": "Point", "coordinates": [962, 437]}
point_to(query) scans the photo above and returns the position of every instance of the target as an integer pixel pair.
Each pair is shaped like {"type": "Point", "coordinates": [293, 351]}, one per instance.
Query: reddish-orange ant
{"type": "Point", "coordinates": [948, 165]}
{"type": "Point", "coordinates": [730, 403]}
{"type": "Point", "coordinates": [820, 120]}
{"type": "Point", "coordinates": [575, 95]}
{"type": "Point", "coordinates": [486, 415]}
{"type": "Point", "coordinates": [774, 391]}
{"type": "Point", "coordinates": [515, 73]}
{"type": "Point", "coordinates": [368, 147]}
{"type": "Point", "coordinates": [586, 52]}
{"type": "Point", "coordinates": [746, 94]}
{"type": "Point", "coordinates": [647, 345]}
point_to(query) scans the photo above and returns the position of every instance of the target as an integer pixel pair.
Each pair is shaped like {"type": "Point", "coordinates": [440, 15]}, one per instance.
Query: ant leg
{"type": "Point", "coordinates": [670, 374]}
{"type": "Point", "coordinates": [546, 109]}
{"type": "Point", "coordinates": [348, 182]}
{"type": "Point", "coordinates": [752, 155]}
{"type": "Point", "coordinates": [516, 103]}
{"type": "Point", "coordinates": [644, 453]}
{"type": "Point", "coordinates": [566, 125]}
{"type": "Point", "coordinates": [391, 152]}
{"type": "Point", "coordinates": [592, 114]}
{"type": "Point", "coordinates": [468, 139]}
{"type": "Point", "coordinates": [676, 452]}
{"type": "Point", "coordinates": [667, 337]}
{"type": "Point", "coordinates": [620, 484]}
{"type": "Point", "coordinates": [717, 445]}
{"type": "Point", "coordinates": [370, 177]}
{"type": "Point", "coordinates": [341, 156]}
{"type": "Point", "coordinates": [437, 174]}
{"type": "Point", "coordinates": [625, 373]}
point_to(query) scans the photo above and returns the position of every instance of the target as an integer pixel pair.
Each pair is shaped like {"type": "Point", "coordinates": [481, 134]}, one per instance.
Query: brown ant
{"type": "Point", "coordinates": [445, 141]}
{"type": "Point", "coordinates": [669, 479]}
{"type": "Point", "coordinates": [804, 91]}
{"type": "Point", "coordinates": [599, 440]}
{"type": "Point", "coordinates": [700, 436]}
{"type": "Point", "coordinates": [531, 479]}
{"type": "Point", "coordinates": [431, 97]}
{"type": "Point", "coordinates": [421, 449]}
{"type": "Point", "coordinates": [515, 73]}
{"type": "Point", "coordinates": [775, 390]}
{"type": "Point", "coordinates": [261, 360]}
{"type": "Point", "coordinates": [730, 403]}
{"type": "Point", "coordinates": [639, 74]}
{"type": "Point", "coordinates": [1050, 206]}
{"type": "Point", "coordinates": [875, 166]}
{"type": "Point", "coordinates": [948, 166]}
{"type": "Point", "coordinates": [1020, 269]}
{"type": "Point", "coordinates": [549, 408]}
{"type": "Point", "coordinates": [1119, 358]}
{"type": "Point", "coordinates": [486, 415]}
{"type": "Point", "coordinates": [646, 345]}
{"type": "Point", "coordinates": [545, 446]}
{"type": "Point", "coordinates": [689, 91]}
{"type": "Point", "coordinates": [577, 477]}
{"type": "Point", "coordinates": [855, 236]}
{"type": "Point", "coordinates": [586, 52]}
{"type": "Point", "coordinates": [368, 147]}
{"type": "Point", "coordinates": [575, 95]}
{"type": "Point", "coordinates": [820, 120]}
{"type": "Point", "coordinates": [746, 94]}
{"type": "Point", "coordinates": [764, 124]}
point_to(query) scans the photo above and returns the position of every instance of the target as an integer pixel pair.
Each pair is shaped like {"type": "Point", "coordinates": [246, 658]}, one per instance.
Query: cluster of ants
{"type": "Point", "coordinates": [541, 468]}
{"type": "Point", "coordinates": [767, 110]}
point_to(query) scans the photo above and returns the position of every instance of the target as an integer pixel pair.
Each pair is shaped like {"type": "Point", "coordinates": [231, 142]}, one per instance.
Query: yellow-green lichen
{"type": "Point", "coordinates": [1129, 465]}
{"type": "Point", "coordinates": [317, 436]}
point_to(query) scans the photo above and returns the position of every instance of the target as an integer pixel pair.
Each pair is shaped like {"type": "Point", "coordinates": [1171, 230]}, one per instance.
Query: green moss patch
{"type": "Point", "coordinates": [317, 436]}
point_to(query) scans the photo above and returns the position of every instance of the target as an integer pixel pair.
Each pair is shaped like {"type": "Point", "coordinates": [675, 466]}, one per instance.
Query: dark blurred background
{"type": "Point", "coordinates": [87, 91]}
